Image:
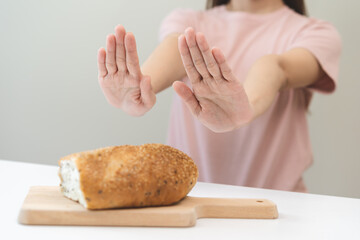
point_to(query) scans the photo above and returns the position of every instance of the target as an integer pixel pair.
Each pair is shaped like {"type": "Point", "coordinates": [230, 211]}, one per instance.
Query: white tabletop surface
{"type": "Point", "coordinates": [301, 216]}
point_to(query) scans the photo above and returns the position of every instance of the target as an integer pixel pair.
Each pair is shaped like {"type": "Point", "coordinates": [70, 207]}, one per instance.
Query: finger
{"type": "Point", "coordinates": [188, 97]}
{"type": "Point", "coordinates": [209, 59]}
{"type": "Point", "coordinates": [132, 59]}
{"type": "Point", "coordinates": [190, 69]}
{"type": "Point", "coordinates": [101, 62]}
{"type": "Point", "coordinates": [195, 53]}
{"type": "Point", "coordinates": [147, 93]}
{"type": "Point", "coordinates": [224, 67]}
{"type": "Point", "coordinates": [120, 48]}
{"type": "Point", "coordinates": [110, 54]}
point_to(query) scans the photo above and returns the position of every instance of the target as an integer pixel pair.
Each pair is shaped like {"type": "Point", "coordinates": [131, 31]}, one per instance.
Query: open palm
{"type": "Point", "coordinates": [120, 76]}
{"type": "Point", "coordinates": [217, 98]}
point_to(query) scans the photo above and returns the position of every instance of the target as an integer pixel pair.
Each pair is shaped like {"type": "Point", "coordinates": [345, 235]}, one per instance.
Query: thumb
{"type": "Point", "coordinates": [188, 97]}
{"type": "Point", "coordinates": [147, 95]}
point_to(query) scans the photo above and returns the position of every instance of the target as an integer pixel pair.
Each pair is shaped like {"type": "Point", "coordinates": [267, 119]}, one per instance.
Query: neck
{"type": "Point", "coordinates": [255, 6]}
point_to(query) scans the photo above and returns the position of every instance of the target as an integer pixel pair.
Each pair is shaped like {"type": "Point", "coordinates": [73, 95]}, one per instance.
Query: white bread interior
{"type": "Point", "coordinates": [71, 181]}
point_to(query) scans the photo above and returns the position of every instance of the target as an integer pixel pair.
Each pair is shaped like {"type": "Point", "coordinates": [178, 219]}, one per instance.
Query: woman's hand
{"type": "Point", "coordinates": [217, 98]}
{"type": "Point", "coordinates": [120, 77]}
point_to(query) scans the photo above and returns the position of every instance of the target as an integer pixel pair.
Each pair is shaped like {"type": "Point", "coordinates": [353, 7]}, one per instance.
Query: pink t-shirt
{"type": "Point", "coordinates": [274, 150]}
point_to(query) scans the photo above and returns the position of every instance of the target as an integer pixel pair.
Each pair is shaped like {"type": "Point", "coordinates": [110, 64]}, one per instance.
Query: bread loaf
{"type": "Point", "coordinates": [127, 176]}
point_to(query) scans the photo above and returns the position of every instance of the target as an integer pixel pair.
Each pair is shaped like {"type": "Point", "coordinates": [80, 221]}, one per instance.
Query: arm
{"type": "Point", "coordinates": [219, 100]}
{"type": "Point", "coordinates": [273, 73]}
{"type": "Point", "coordinates": [164, 65]}
{"type": "Point", "coordinates": [124, 84]}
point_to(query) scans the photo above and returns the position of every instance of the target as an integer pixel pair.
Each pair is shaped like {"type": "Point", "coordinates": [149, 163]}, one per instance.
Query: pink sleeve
{"type": "Point", "coordinates": [323, 41]}
{"type": "Point", "coordinates": [176, 22]}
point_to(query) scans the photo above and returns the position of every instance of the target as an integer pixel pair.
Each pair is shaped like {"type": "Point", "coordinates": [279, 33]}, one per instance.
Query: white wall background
{"type": "Point", "coordinates": [51, 104]}
{"type": "Point", "coordinates": [335, 119]}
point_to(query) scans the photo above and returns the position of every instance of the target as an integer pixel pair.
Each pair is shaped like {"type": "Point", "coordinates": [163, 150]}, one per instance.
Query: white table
{"type": "Point", "coordinates": [301, 216]}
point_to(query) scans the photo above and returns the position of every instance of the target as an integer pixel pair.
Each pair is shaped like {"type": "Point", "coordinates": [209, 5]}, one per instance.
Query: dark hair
{"type": "Point", "coordinates": [297, 5]}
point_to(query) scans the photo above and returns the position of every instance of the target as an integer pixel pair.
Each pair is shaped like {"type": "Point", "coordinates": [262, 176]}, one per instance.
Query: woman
{"type": "Point", "coordinates": [240, 108]}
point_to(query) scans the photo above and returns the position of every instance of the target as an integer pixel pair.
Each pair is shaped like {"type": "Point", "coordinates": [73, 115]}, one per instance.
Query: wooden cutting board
{"type": "Point", "coordinates": [47, 206]}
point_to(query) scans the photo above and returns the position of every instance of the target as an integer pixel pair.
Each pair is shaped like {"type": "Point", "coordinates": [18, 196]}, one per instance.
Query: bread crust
{"type": "Point", "coordinates": [134, 176]}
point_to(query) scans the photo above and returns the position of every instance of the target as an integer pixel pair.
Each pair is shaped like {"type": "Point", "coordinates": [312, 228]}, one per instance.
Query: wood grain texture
{"type": "Point", "coordinates": [47, 206]}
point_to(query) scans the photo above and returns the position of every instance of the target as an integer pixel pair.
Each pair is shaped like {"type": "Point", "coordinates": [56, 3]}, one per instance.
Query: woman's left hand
{"type": "Point", "coordinates": [217, 98]}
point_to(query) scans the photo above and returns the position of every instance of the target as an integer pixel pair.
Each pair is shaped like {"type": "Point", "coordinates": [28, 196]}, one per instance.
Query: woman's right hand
{"type": "Point", "coordinates": [120, 77]}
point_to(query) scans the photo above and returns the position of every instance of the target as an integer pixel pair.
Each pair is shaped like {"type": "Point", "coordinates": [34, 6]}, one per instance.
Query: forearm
{"type": "Point", "coordinates": [264, 80]}
{"type": "Point", "coordinates": [164, 65]}
{"type": "Point", "coordinates": [293, 69]}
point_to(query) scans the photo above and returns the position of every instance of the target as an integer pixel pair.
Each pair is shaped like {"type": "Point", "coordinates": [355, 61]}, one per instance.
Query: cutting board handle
{"type": "Point", "coordinates": [234, 208]}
